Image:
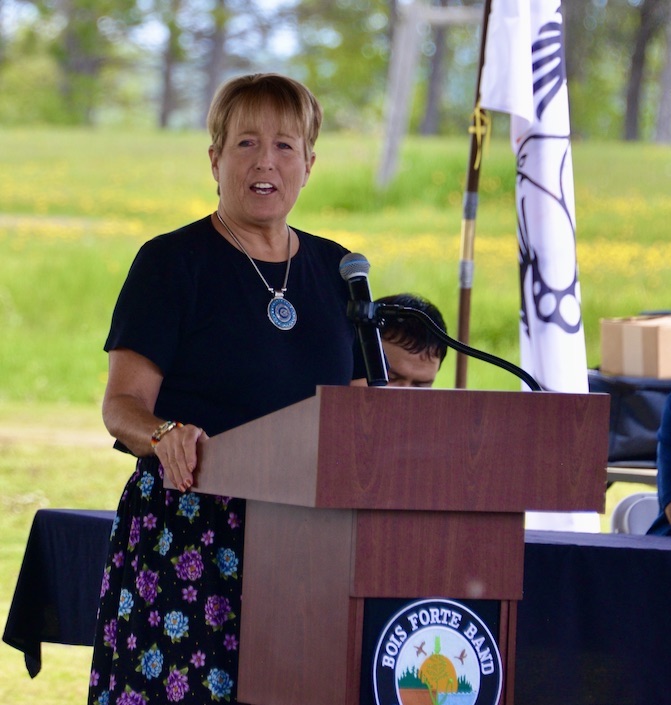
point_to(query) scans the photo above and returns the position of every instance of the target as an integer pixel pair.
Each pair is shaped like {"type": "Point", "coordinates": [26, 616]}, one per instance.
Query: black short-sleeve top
{"type": "Point", "coordinates": [194, 305]}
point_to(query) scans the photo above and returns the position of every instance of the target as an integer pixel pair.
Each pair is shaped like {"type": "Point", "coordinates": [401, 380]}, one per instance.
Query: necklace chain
{"type": "Point", "coordinates": [275, 292]}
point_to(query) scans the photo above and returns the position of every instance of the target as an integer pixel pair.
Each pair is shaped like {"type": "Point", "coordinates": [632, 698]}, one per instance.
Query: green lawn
{"type": "Point", "coordinates": [75, 205]}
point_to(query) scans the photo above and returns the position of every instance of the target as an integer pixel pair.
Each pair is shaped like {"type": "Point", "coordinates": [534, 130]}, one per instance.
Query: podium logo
{"type": "Point", "coordinates": [436, 652]}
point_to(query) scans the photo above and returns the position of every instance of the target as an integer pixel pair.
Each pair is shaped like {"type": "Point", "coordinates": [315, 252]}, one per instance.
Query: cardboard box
{"type": "Point", "coordinates": [639, 346]}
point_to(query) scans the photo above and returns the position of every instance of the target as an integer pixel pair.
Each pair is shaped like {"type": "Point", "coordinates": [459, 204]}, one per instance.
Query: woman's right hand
{"type": "Point", "coordinates": [128, 412]}
{"type": "Point", "coordinates": [177, 451]}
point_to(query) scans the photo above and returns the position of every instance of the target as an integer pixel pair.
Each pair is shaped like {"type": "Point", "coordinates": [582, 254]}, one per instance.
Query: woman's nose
{"type": "Point", "coordinates": [264, 158]}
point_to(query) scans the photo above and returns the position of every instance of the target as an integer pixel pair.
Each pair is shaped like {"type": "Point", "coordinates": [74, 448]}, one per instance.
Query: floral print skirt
{"type": "Point", "coordinates": [169, 616]}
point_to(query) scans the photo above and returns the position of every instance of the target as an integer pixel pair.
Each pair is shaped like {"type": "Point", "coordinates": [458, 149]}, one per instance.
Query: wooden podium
{"type": "Point", "coordinates": [380, 492]}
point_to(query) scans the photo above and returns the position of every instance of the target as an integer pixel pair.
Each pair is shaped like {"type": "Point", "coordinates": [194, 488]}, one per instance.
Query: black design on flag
{"type": "Point", "coordinates": [554, 290]}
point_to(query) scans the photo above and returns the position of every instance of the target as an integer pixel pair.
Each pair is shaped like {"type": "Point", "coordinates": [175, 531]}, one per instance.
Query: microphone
{"type": "Point", "coordinates": [354, 270]}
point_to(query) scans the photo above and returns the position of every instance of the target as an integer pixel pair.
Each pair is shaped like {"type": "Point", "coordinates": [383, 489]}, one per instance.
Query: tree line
{"type": "Point", "coordinates": [158, 62]}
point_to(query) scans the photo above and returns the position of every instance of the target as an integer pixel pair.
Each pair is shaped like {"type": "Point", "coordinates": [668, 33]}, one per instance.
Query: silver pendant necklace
{"type": "Point", "coordinates": [281, 312]}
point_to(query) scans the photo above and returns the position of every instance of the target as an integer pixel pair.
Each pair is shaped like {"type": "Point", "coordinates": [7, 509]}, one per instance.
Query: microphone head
{"type": "Point", "coordinates": [353, 265]}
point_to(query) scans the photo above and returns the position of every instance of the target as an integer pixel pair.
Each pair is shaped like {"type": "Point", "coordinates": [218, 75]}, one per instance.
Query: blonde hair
{"type": "Point", "coordinates": [252, 94]}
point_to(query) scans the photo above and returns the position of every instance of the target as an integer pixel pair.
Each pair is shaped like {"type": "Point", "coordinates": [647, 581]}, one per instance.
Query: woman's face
{"type": "Point", "coordinates": [260, 170]}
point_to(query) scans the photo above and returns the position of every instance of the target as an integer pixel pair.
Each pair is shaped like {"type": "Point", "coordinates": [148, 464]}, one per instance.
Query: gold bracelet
{"type": "Point", "coordinates": [162, 430]}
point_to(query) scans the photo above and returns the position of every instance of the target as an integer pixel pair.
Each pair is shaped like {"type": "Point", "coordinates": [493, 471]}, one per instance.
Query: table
{"type": "Point", "coordinates": [594, 622]}
{"type": "Point", "coordinates": [592, 626]}
{"type": "Point", "coordinates": [57, 592]}
{"type": "Point", "coordinates": [642, 475]}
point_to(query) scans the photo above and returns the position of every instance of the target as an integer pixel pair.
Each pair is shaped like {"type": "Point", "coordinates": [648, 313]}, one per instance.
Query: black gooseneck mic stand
{"type": "Point", "coordinates": [373, 314]}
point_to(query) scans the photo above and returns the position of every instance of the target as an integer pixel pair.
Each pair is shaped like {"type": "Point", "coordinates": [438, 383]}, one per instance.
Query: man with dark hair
{"type": "Point", "coordinates": [414, 354]}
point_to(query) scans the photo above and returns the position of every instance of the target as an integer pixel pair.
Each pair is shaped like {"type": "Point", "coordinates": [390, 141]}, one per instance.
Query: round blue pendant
{"type": "Point", "coordinates": [282, 313]}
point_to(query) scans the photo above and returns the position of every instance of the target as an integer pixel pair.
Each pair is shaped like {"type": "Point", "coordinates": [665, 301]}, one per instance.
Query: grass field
{"type": "Point", "coordinates": [75, 205]}
{"type": "Point", "coordinates": [79, 470]}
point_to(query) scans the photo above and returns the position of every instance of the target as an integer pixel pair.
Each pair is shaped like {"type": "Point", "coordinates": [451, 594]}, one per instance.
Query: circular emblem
{"type": "Point", "coordinates": [436, 652]}
{"type": "Point", "coordinates": [282, 313]}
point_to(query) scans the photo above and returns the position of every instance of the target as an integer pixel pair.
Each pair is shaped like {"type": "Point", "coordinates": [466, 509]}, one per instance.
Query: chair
{"type": "Point", "coordinates": [634, 514]}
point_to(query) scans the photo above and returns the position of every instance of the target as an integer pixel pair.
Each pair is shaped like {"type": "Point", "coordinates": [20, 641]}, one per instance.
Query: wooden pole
{"type": "Point", "coordinates": [478, 132]}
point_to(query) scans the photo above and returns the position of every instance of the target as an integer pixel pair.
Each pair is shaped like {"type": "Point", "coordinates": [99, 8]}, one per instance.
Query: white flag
{"type": "Point", "coordinates": [524, 74]}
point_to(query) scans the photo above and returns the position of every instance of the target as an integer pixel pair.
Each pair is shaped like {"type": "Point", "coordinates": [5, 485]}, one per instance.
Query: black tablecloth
{"type": "Point", "coordinates": [56, 596]}
{"type": "Point", "coordinates": [592, 626]}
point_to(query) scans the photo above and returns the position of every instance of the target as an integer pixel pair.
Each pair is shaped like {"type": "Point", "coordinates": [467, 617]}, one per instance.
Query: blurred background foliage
{"type": "Point", "coordinates": [158, 62]}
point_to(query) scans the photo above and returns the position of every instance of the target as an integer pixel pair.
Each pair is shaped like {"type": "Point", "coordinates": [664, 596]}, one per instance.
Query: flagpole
{"type": "Point", "coordinates": [478, 132]}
